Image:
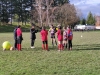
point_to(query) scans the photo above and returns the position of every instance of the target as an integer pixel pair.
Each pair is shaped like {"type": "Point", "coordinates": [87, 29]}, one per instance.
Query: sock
{"type": "Point", "coordinates": [62, 47]}
{"type": "Point", "coordinates": [59, 46]}
{"type": "Point", "coordinates": [19, 47]}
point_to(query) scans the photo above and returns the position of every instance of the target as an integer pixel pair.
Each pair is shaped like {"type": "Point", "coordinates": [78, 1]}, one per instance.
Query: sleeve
{"type": "Point", "coordinates": [21, 37]}
{"type": "Point", "coordinates": [41, 33]}
{"type": "Point", "coordinates": [68, 33]}
{"type": "Point", "coordinates": [36, 31]}
{"type": "Point", "coordinates": [20, 32]}
{"type": "Point", "coordinates": [50, 30]}
{"type": "Point", "coordinates": [57, 33]}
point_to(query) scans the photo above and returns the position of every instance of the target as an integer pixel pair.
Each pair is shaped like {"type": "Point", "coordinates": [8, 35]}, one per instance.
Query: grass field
{"type": "Point", "coordinates": [84, 59]}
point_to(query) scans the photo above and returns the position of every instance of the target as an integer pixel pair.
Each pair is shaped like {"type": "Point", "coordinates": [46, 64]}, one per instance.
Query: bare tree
{"type": "Point", "coordinates": [48, 9]}
{"type": "Point", "coordinates": [44, 9]}
{"type": "Point", "coordinates": [38, 7]}
{"type": "Point", "coordinates": [66, 14]}
{"type": "Point", "coordinates": [47, 14]}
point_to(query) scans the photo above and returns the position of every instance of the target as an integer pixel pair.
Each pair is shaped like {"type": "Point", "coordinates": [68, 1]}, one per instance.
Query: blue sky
{"type": "Point", "coordinates": [87, 5]}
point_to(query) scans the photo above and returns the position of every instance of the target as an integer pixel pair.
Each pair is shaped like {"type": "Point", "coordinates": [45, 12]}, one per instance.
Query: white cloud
{"type": "Point", "coordinates": [87, 5]}
{"type": "Point", "coordinates": [93, 2]}
{"type": "Point", "coordinates": [79, 2]}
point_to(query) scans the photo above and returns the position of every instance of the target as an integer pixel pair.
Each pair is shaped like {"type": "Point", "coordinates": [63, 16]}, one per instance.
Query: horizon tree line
{"type": "Point", "coordinates": [41, 12]}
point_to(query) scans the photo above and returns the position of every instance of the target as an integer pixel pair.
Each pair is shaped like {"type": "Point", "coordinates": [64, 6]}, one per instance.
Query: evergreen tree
{"type": "Point", "coordinates": [4, 17]}
{"type": "Point", "coordinates": [83, 22]}
{"type": "Point", "coordinates": [90, 19]}
{"type": "Point", "coordinates": [60, 2]}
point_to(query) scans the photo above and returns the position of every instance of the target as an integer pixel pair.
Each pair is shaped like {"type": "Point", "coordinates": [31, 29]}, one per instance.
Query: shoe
{"type": "Point", "coordinates": [59, 50]}
{"type": "Point", "coordinates": [70, 48]}
{"type": "Point", "coordinates": [15, 49]}
{"type": "Point", "coordinates": [4, 49]}
{"type": "Point", "coordinates": [32, 47]}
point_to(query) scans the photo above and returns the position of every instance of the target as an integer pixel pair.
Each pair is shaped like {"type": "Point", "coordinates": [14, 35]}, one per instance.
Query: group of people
{"type": "Point", "coordinates": [18, 38]}
{"type": "Point", "coordinates": [64, 37]}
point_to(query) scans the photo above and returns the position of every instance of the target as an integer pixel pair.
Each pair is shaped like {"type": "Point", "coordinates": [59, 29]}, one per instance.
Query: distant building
{"type": "Point", "coordinates": [97, 24]}
{"type": "Point", "coordinates": [84, 27]}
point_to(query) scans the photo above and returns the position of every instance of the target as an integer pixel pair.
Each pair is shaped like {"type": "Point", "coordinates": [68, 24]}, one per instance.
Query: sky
{"type": "Point", "coordinates": [87, 5]}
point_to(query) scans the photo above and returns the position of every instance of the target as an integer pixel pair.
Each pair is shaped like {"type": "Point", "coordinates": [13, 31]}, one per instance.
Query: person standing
{"type": "Point", "coordinates": [65, 37]}
{"type": "Point", "coordinates": [70, 37]}
{"type": "Point", "coordinates": [15, 38]}
{"type": "Point", "coordinates": [52, 31]}
{"type": "Point", "coordinates": [44, 34]}
{"type": "Point", "coordinates": [60, 38]}
{"type": "Point", "coordinates": [33, 35]}
{"type": "Point", "coordinates": [19, 38]}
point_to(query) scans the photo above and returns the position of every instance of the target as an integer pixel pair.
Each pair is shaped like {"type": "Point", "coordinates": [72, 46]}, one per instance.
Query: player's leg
{"type": "Point", "coordinates": [70, 44]}
{"type": "Point", "coordinates": [43, 45]}
{"type": "Point", "coordinates": [32, 43]}
{"type": "Point", "coordinates": [59, 45]}
{"type": "Point", "coordinates": [62, 45]}
{"type": "Point", "coordinates": [46, 42]}
{"type": "Point", "coordinates": [54, 39]}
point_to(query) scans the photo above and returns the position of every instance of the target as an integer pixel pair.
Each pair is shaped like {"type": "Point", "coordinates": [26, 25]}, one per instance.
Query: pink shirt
{"type": "Point", "coordinates": [44, 34]}
{"type": "Point", "coordinates": [70, 34]}
{"type": "Point", "coordinates": [19, 32]}
{"type": "Point", "coordinates": [60, 35]}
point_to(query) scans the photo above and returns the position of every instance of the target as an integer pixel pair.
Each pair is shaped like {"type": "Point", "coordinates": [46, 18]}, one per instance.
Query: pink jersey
{"type": "Point", "coordinates": [60, 35]}
{"type": "Point", "coordinates": [19, 32]}
{"type": "Point", "coordinates": [70, 34]}
{"type": "Point", "coordinates": [44, 34]}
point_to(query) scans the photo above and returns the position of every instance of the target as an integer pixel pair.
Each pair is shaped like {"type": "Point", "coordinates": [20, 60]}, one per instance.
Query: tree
{"type": "Point", "coordinates": [83, 22]}
{"type": "Point", "coordinates": [45, 9]}
{"type": "Point", "coordinates": [4, 11]}
{"type": "Point", "coordinates": [60, 2]}
{"type": "Point", "coordinates": [90, 19]}
{"type": "Point", "coordinates": [66, 14]}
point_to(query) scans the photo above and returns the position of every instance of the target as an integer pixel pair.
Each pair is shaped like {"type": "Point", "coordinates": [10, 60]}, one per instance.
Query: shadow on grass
{"type": "Point", "coordinates": [75, 48]}
{"type": "Point", "coordinates": [40, 48]}
{"type": "Point", "coordinates": [87, 47]}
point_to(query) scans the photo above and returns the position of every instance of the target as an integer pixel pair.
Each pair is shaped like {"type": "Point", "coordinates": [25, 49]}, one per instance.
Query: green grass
{"type": "Point", "coordinates": [84, 59]}
{"type": "Point", "coordinates": [10, 28]}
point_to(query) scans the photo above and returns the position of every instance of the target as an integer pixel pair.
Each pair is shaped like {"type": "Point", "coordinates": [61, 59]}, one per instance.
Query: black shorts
{"type": "Point", "coordinates": [65, 39]}
{"type": "Point", "coordinates": [19, 40]}
{"type": "Point", "coordinates": [45, 42]}
{"type": "Point", "coordinates": [52, 36]}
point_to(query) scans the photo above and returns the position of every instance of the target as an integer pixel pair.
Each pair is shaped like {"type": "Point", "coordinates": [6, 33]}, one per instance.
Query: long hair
{"type": "Point", "coordinates": [43, 28]}
{"type": "Point", "coordinates": [18, 26]}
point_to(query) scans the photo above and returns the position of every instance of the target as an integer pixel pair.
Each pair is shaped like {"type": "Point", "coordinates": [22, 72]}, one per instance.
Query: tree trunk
{"type": "Point", "coordinates": [11, 12]}
{"type": "Point", "coordinates": [40, 12]}
{"type": "Point", "coordinates": [47, 10]}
